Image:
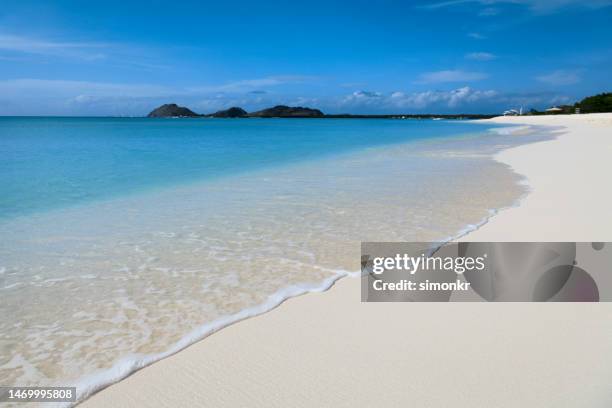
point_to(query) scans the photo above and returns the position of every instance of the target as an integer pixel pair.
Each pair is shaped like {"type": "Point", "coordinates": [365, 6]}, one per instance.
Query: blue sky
{"type": "Point", "coordinates": [125, 58]}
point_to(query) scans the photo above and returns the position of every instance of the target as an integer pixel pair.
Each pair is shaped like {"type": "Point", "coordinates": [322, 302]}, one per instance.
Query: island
{"type": "Point", "coordinates": [282, 111]}
{"type": "Point", "coordinates": [233, 112]}
{"type": "Point", "coordinates": [172, 110]}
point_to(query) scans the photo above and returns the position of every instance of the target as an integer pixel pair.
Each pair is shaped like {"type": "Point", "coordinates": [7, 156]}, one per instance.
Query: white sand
{"type": "Point", "coordinates": [331, 350]}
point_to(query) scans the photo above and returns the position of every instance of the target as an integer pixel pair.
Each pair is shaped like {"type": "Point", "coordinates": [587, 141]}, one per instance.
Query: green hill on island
{"type": "Point", "coordinates": [233, 112]}
{"type": "Point", "coordinates": [282, 111]}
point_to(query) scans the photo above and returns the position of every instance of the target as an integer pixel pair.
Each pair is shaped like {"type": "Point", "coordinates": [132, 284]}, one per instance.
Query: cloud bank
{"type": "Point", "coordinates": [63, 97]}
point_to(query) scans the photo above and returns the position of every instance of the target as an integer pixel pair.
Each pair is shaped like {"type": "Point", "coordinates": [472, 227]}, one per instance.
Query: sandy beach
{"type": "Point", "coordinates": [329, 349]}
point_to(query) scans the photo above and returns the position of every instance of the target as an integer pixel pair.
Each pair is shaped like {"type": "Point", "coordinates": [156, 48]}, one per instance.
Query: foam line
{"type": "Point", "coordinates": [130, 364]}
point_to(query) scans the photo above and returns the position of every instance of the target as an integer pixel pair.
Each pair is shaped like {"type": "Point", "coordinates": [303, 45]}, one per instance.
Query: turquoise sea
{"type": "Point", "coordinates": [124, 240]}
{"type": "Point", "coordinates": [56, 162]}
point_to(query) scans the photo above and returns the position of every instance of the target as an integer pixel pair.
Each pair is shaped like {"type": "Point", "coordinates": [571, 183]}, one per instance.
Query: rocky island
{"type": "Point", "coordinates": [233, 112]}
{"type": "Point", "coordinates": [172, 110]}
{"type": "Point", "coordinates": [282, 111]}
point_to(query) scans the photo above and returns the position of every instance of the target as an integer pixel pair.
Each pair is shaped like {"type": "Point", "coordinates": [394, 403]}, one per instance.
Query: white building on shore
{"type": "Point", "coordinates": [554, 109]}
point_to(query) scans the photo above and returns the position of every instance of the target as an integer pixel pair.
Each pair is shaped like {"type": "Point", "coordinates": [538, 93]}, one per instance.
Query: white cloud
{"type": "Point", "coordinates": [250, 85]}
{"type": "Point", "coordinates": [67, 88]}
{"type": "Point", "coordinates": [480, 56]}
{"type": "Point", "coordinates": [366, 94]}
{"type": "Point", "coordinates": [537, 6]}
{"type": "Point", "coordinates": [418, 100]}
{"type": "Point", "coordinates": [61, 88]}
{"type": "Point", "coordinates": [442, 4]}
{"type": "Point", "coordinates": [450, 76]}
{"type": "Point", "coordinates": [559, 77]}
{"type": "Point", "coordinates": [28, 45]}
{"type": "Point", "coordinates": [546, 6]}
{"type": "Point", "coordinates": [451, 98]}
{"type": "Point", "coordinates": [244, 85]}
{"type": "Point", "coordinates": [14, 47]}
{"type": "Point", "coordinates": [464, 100]}
{"type": "Point", "coordinates": [363, 98]}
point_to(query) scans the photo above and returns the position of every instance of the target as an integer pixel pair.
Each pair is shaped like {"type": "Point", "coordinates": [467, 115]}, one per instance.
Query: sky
{"type": "Point", "coordinates": [124, 58]}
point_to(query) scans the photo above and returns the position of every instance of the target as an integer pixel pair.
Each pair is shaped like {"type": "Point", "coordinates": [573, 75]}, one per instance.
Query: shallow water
{"type": "Point", "coordinates": [55, 162]}
{"type": "Point", "coordinates": [95, 287]}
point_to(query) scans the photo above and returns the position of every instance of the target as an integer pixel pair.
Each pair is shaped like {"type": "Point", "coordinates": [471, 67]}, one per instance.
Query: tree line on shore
{"type": "Point", "coordinates": [591, 104]}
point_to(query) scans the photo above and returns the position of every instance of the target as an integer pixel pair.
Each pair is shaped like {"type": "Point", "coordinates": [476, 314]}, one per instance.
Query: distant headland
{"type": "Point", "coordinates": [172, 110]}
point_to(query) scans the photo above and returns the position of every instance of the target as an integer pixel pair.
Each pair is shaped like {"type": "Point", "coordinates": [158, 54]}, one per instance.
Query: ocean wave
{"type": "Point", "coordinates": [130, 364]}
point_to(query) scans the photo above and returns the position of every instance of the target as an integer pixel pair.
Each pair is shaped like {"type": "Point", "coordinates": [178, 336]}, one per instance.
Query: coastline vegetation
{"type": "Point", "coordinates": [599, 103]}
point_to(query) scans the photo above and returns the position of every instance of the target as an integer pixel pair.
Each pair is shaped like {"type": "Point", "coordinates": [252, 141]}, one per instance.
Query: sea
{"type": "Point", "coordinates": [125, 240]}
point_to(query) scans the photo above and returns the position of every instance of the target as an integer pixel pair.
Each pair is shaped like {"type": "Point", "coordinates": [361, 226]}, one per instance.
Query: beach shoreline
{"type": "Point", "coordinates": [331, 350]}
